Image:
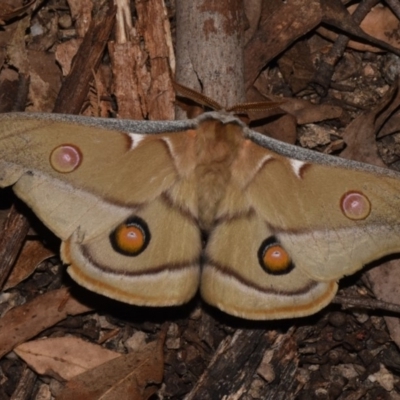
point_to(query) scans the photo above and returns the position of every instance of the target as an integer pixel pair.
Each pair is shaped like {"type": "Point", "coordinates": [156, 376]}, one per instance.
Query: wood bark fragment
{"type": "Point", "coordinates": [154, 25]}
{"type": "Point", "coordinates": [283, 362]}
{"type": "Point", "coordinates": [76, 85]}
{"type": "Point", "coordinates": [25, 385]}
{"type": "Point", "coordinates": [81, 11]}
{"type": "Point", "coordinates": [11, 241]}
{"type": "Point", "coordinates": [142, 58]}
{"type": "Point", "coordinates": [236, 360]}
{"type": "Point", "coordinates": [127, 88]}
{"type": "Point", "coordinates": [131, 78]}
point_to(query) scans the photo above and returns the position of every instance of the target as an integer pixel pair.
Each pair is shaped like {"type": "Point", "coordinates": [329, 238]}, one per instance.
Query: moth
{"type": "Point", "coordinates": [133, 201]}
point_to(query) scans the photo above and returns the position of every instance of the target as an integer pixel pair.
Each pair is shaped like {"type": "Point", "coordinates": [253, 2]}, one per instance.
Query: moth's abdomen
{"type": "Point", "coordinates": [217, 147]}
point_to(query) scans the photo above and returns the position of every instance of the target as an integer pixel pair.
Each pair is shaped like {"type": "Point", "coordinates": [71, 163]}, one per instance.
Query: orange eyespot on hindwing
{"type": "Point", "coordinates": [131, 237]}
{"type": "Point", "coordinates": [65, 158]}
{"type": "Point", "coordinates": [273, 258]}
{"type": "Point", "coordinates": [355, 205]}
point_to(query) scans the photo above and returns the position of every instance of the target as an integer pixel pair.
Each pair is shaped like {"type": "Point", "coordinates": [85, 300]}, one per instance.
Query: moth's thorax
{"type": "Point", "coordinates": [217, 145]}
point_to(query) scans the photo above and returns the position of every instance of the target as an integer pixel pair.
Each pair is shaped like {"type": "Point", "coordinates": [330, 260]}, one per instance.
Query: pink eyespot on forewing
{"type": "Point", "coordinates": [65, 158]}
{"type": "Point", "coordinates": [355, 205]}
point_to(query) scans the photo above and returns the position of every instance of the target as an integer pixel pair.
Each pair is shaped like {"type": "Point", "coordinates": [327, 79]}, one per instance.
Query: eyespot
{"type": "Point", "coordinates": [65, 158]}
{"type": "Point", "coordinates": [273, 258]}
{"type": "Point", "coordinates": [131, 237]}
{"type": "Point", "coordinates": [355, 205]}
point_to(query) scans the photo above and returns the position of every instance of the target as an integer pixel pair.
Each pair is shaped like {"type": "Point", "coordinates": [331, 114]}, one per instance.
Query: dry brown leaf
{"type": "Point", "coordinates": [16, 47]}
{"type": "Point", "coordinates": [278, 30]}
{"type": "Point", "coordinates": [252, 10]}
{"type": "Point", "coordinates": [385, 282]}
{"type": "Point", "coordinates": [283, 128]}
{"type": "Point", "coordinates": [40, 67]}
{"type": "Point", "coordinates": [360, 134]}
{"type": "Point", "coordinates": [304, 111]}
{"type": "Point", "coordinates": [65, 53]}
{"type": "Point", "coordinates": [296, 66]}
{"type": "Point", "coordinates": [125, 378]}
{"type": "Point", "coordinates": [32, 254]}
{"type": "Point", "coordinates": [26, 321]}
{"type": "Point", "coordinates": [391, 126]}
{"type": "Point", "coordinates": [307, 113]}
{"type": "Point", "coordinates": [63, 357]}
{"type": "Point", "coordinates": [45, 81]}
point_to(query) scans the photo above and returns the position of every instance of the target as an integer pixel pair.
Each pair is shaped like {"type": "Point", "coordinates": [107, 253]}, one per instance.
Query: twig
{"type": "Point", "coordinates": [394, 5]}
{"type": "Point", "coordinates": [368, 303]}
{"type": "Point", "coordinates": [323, 76]}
